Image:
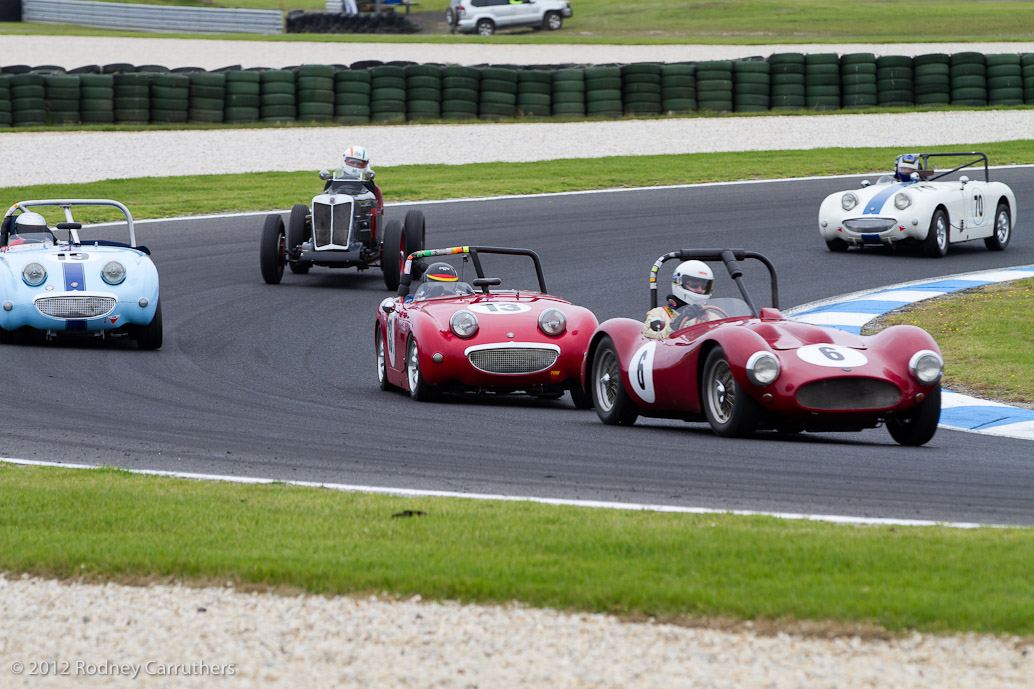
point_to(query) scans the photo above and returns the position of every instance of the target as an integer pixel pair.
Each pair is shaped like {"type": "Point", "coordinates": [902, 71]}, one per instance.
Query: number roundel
{"type": "Point", "coordinates": [499, 308]}
{"type": "Point", "coordinates": [832, 355]}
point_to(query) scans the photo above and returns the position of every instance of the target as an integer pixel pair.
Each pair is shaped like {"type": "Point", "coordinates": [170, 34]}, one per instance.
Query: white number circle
{"type": "Point", "coordinates": [834, 356]}
{"type": "Point", "coordinates": [640, 371]}
{"type": "Point", "coordinates": [499, 308]}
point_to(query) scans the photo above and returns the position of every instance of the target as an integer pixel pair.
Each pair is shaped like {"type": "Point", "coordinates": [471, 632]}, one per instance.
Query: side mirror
{"type": "Point", "coordinates": [324, 175]}
{"type": "Point", "coordinates": [486, 282]}
{"type": "Point", "coordinates": [388, 305]}
{"type": "Point", "coordinates": [865, 183]}
{"type": "Point", "coordinates": [964, 180]}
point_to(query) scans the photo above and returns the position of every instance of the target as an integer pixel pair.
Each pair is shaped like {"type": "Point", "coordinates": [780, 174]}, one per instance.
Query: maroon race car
{"type": "Point", "coordinates": [449, 335]}
{"type": "Point", "coordinates": [750, 368]}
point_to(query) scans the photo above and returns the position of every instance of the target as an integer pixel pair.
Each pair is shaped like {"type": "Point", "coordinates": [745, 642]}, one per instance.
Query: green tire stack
{"type": "Point", "coordinates": [679, 88]}
{"type": "Point", "coordinates": [1004, 80]}
{"type": "Point", "coordinates": [1027, 69]}
{"type": "Point", "coordinates": [751, 85]}
{"type": "Point", "coordinates": [207, 97]}
{"type": "Point", "coordinates": [641, 89]}
{"type": "Point", "coordinates": [243, 96]}
{"type": "Point", "coordinates": [932, 79]}
{"type": "Point", "coordinates": [276, 96]}
{"type": "Point", "coordinates": [5, 101]}
{"type": "Point", "coordinates": [534, 93]}
{"type": "Point", "coordinates": [352, 96]}
{"type": "Point", "coordinates": [28, 100]}
{"type": "Point", "coordinates": [62, 98]}
{"type": "Point", "coordinates": [968, 71]}
{"type": "Point", "coordinates": [315, 93]}
{"type": "Point", "coordinates": [96, 98]}
{"type": "Point", "coordinates": [387, 93]}
{"type": "Point", "coordinates": [714, 85]}
{"type": "Point", "coordinates": [788, 78]}
{"type": "Point", "coordinates": [603, 96]}
{"type": "Point", "coordinates": [170, 98]}
{"type": "Point", "coordinates": [133, 98]}
{"type": "Point", "coordinates": [569, 92]}
{"type": "Point", "coordinates": [423, 92]}
{"type": "Point", "coordinates": [858, 80]}
{"type": "Point", "coordinates": [460, 88]}
{"type": "Point", "coordinates": [822, 81]}
{"type": "Point", "coordinates": [895, 81]}
{"type": "Point", "coordinates": [498, 95]}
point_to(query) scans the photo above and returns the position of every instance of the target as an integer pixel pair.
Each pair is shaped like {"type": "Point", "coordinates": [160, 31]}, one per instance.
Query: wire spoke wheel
{"type": "Point", "coordinates": [607, 380]}
{"type": "Point", "coordinates": [722, 392]}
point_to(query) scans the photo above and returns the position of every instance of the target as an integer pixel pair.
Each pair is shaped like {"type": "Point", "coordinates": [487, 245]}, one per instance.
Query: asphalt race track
{"type": "Point", "coordinates": [279, 381]}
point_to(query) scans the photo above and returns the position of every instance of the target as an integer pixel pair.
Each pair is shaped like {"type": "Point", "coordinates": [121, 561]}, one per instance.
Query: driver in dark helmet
{"type": "Point", "coordinates": [441, 280]}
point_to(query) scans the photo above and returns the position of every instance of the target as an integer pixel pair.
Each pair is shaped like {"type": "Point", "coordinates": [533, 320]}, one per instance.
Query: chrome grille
{"type": "Point", "coordinates": [342, 222]}
{"type": "Point", "coordinates": [75, 307]}
{"type": "Point", "coordinates": [512, 360]}
{"type": "Point", "coordinates": [839, 394]}
{"type": "Point", "coordinates": [870, 224]}
{"type": "Point", "coordinates": [321, 223]}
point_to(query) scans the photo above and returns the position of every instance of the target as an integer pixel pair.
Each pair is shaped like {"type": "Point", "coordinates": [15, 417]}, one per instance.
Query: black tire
{"type": "Point", "coordinates": [1003, 229]}
{"type": "Point", "coordinates": [917, 426]}
{"type": "Point", "coordinates": [936, 243]}
{"type": "Point", "coordinates": [382, 362]}
{"type": "Point", "coordinates": [729, 410]}
{"type": "Point", "coordinates": [297, 225]}
{"type": "Point", "coordinates": [392, 256]}
{"type": "Point", "coordinates": [450, 19]}
{"type": "Point", "coordinates": [836, 245]}
{"type": "Point", "coordinates": [613, 404]}
{"type": "Point", "coordinates": [150, 336]}
{"type": "Point", "coordinates": [418, 387]}
{"type": "Point", "coordinates": [414, 229]}
{"type": "Point", "coordinates": [582, 399]}
{"type": "Point", "coordinates": [271, 251]}
{"type": "Point", "coordinates": [485, 27]}
{"type": "Point", "coordinates": [552, 21]}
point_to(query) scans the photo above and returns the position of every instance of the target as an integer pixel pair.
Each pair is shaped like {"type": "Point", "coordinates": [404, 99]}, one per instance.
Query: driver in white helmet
{"type": "Point", "coordinates": [355, 164]}
{"type": "Point", "coordinates": [30, 228]}
{"type": "Point", "coordinates": [691, 284]}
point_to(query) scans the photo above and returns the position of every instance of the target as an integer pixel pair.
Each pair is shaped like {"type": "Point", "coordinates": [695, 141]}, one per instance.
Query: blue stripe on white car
{"type": "Point", "coordinates": [74, 278]}
{"type": "Point", "coordinates": [875, 204]}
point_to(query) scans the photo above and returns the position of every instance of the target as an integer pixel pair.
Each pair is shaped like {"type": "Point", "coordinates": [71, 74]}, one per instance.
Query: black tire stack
{"type": "Point", "coordinates": [788, 79]}
{"type": "Point", "coordinates": [1004, 80]}
{"type": "Point", "coordinates": [932, 79]}
{"type": "Point", "coordinates": [96, 98]}
{"type": "Point", "coordinates": [569, 92]}
{"type": "Point", "coordinates": [5, 100]}
{"type": "Point", "coordinates": [28, 100]}
{"type": "Point", "coordinates": [679, 87]}
{"type": "Point", "coordinates": [968, 79]}
{"type": "Point", "coordinates": [133, 98]}
{"type": "Point", "coordinates": [243, 96]}
{"type": "Point", "coordinates": [714, 85]}
{"type": "Point", "coordinates": [207, 97]}
{"type": "Point", "coordinates": [1027, 69]}
{"type": "Point", "coordinates": [822, 81]}
{"type": "Point", "coordinates": [534, 93]}
{"type": "Point", "coordinates": [498, 96]}
{"type": "Point", "coordinates": [352, 96]}
{"type": "Point", "coordinates": [315, 93]}
{"type": "Point", "coordinates": [62, 96]}
{"type": "Point", "coordinates": [603, 93]}
{"type": "Point", "coordinates": [170, 98]}
{"type": "Point", "coordinates": [641, 89]}
{"type": "Point", "coordinates": [387, 93]}
{"type": "Point", "coordinates": [751, 85]}
{"type": "Point", "coordinates": [858, 81]}
{"type": "Point", "coordinates": [277, 101]}
{"type": "Point", "coordinates": [460, 89]}
{"type": "Point", "coordinates": [895, 81]}
{"type": "Point", "coordinates": [423, 92]}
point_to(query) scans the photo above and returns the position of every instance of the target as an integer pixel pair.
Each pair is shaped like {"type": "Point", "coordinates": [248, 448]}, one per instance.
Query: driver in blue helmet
{"type": "Point", "coordinates": [906, 164]}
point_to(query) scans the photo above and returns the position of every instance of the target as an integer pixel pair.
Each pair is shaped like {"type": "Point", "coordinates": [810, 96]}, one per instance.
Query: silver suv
{"type": "Point", "coordinates": [485, 16]}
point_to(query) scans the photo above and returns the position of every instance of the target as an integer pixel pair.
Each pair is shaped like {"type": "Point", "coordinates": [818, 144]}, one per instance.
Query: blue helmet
{"type": "Point", "coordinates": [906, 164]}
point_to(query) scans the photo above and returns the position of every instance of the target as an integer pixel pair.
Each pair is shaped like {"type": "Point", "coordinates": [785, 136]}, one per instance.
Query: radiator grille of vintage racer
{"type": "Point", "coordinates": [75, 307]}
{"type": "Point", "coordinates": [870, 224]}
{"type": "Point", "coordinates": [342, 223]}
{"type": "Point", "coordinates": [840, 394]}
{"type": "Point", "coordinates": [331, 224]}
{"type": "Point", "coordinates": [512, 360]}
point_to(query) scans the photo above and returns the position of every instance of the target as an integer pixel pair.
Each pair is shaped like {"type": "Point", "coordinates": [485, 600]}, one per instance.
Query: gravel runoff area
{"type": "Point", "coordinates": [171, 636]}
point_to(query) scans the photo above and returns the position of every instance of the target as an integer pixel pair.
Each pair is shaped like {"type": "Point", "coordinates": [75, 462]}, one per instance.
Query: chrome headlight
{"type": "Point", "coordinates": [926, 366]}
{"type": "Point", "coordinates": [552, 321]}
{"type": "Point", "coordinates": [463, 324]}
{"type": "Point", "coordinates": [113, 272]}
{"type": "Point", "coordinates": [902, 201]}
{"type": "Point", "coordinates": [849, 200]}
{"type": "Point", "coordinates": [34, 274]}
{"type": "Point", "coordinates": [762, 368]}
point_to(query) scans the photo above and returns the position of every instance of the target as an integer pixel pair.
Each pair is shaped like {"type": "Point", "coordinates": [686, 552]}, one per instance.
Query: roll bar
{"type": "Point", "coordinates": [975, 155]}
{"type": "Point", "coordinates": [66, 205]}
{"type": "Point", "coordinates": [406, 279]}
{"type": "Point", "coordinates": [727, 256]}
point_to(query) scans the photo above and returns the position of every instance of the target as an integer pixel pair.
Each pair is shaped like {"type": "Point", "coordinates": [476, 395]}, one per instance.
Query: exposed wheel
{"type": "Point", "coordinates": [393, 254]}
{"type": "Point", "coordinates": [1003, 229]}
{"type": "Point", "coordinates": [297, 225]}
{"type": "Point", "coordinates": [450, 19]}
{"type": "Point", "coordinates": [836, 245]}
{"type": "Point", "coordinates": [936, 243]}
{"type": "Point", "coordinates": [582, 398]}
{"type": "Point", "coordinates": [150, 336]}
{"type": "Point", "coordinates": [382, 362]}
{"type": "Point", "coordinates": [553, 21]}
{"type": "Point", "coordinates": [485, 27]}
{"type": "Point", "coordinates": [612, 402]}
{"type": "Point", "coordinates": [729, 410]}
{"type": "Point", "coordinates": [414, 230]}
{"type": "Point", "coordinates": [272, 250]}
{"type": "Point", "coordinates": [299, 267]}
{"type": "Point", "coordinates": [918, 425]}
{"type": "Point", "coordinates": [418, 387]}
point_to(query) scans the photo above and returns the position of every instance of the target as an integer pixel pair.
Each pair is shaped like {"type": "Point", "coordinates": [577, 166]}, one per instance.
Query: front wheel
{"type": "Point", "coordinates": [836, 245]}
{"type": "Point", "coordinates": [1003, 229]}
{"type": "Point", "coordinates": [418, 387]}
{"type": "Point", "coordinates": [917, 426]}
{"type": "Point", "coordinates": [382, 362]}
{"type": "Point", "coordinates": [271, 251]}
{"type": "Point", "coordinates": [485, 27]}
{"type": "Point", "coordinates": [936, 243]}
{"type": "Point", "coordinates": [553, 21]}
{"type": "Point", "coordinates": [729, 410]}
{"type": "Point", "coordinates": [613, 404]}
{"type": "Point", "coordinates": [582, 399]}
{"type": "Point", "coordinates": [150, 336]}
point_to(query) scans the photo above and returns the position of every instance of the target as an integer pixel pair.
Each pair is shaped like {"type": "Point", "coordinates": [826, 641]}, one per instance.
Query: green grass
{"type": "Point", "coordinates": [162, 197]}
{"type": "Point", "coordinates": [984, 335]}
{"type": "Point", "coordinates": [111, 525]}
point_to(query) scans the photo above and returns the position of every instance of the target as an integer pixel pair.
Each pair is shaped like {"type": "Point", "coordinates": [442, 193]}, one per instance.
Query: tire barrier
{"type": "Point", "coordinates": [395, 92]}
{"type": "Point", "coordinates": [300, 21]}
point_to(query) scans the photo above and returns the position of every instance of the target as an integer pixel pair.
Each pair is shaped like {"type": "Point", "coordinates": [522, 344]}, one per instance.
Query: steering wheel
{"type": "Point", "coordinates": [708, 307]}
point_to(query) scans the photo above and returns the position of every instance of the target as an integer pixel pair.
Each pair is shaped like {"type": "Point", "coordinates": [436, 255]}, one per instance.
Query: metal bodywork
{"type": "Point", "coordinates": [970, 205]}
{"type": "Point", "coordinates": [344, 225]}
{"type": "Point", "coordinates": [466, 15]}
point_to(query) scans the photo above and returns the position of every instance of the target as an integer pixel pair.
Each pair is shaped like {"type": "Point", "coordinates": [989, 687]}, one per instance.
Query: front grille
{"type": "Point", "coordinates": [321, 223]}
{"type": "Point", "coordinates": [342, 223]}
{"type": "Point", "coordinates": [75, 307]}
{"type": "Point", "coordinates": [512, 360]}
{"type": "Point", "coordinates": [870, 224]}
{"type": "Point", "coordinates": [838, 394]}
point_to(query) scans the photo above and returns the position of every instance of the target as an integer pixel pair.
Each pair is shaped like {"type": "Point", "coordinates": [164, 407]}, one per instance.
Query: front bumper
{"type": "Point", "coordinates": [120, 313]}
{"type": "Point", "coordinates": [505, 365]}
{"type": "Point", "coordinates": [870, 230]}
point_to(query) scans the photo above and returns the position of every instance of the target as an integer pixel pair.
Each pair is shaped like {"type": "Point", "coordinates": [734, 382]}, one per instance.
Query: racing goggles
{"type": "Point", "coordinates": [355, 162]}
{"type": "Point", "coordinates": [697, 285]}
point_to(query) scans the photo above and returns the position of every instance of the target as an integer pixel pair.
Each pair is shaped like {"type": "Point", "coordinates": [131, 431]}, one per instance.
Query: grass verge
{"type": "Point", "coordinates": [162, 197]}
{"type": "Point", "coordinates": [670, 566]}
{"type": "Point", "coordinates": [984, 334]}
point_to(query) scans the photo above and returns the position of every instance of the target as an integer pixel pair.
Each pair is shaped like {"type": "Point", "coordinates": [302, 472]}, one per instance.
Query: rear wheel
{"type": "Point", "coordinates": [612, 402]}
{"type": "Point", "coordinates": [1003, 229]}
{"type": "Point", "coordinates": [418, 387]}
{"type": "Point", "coordinates": [393, 254]}
{"type": "Point", "coordinates": [729, 410]}
{"type": "Point", "coordinates": [485, 27]}
{"type": "Point", "coordinates": [415, 228]}
{"type": "Point", "coordinates": [271, 251]}
{"type": "Point", "coordinates": [918, 425]}
{"type": "Point", "coordinates": [150, 336]}
{"type": "Point", "coordinates": [936, 243]}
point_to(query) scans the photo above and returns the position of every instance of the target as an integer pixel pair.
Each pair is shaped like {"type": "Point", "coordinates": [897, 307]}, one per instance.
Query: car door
{"type": "Point", "coordinates": [525, 13]}
{"type": "Point", "coordinates": [503, 13]}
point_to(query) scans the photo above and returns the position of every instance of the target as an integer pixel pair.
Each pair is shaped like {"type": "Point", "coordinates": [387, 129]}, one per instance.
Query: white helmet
{"type": "Point", "coordinates": [906, 164]}
{"type": "Point", "coordinates": [356, 161]}
{"type": "Point", "coordinates": [30, 222]}
{"type": "Point", "coordinates": [692, 282]}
